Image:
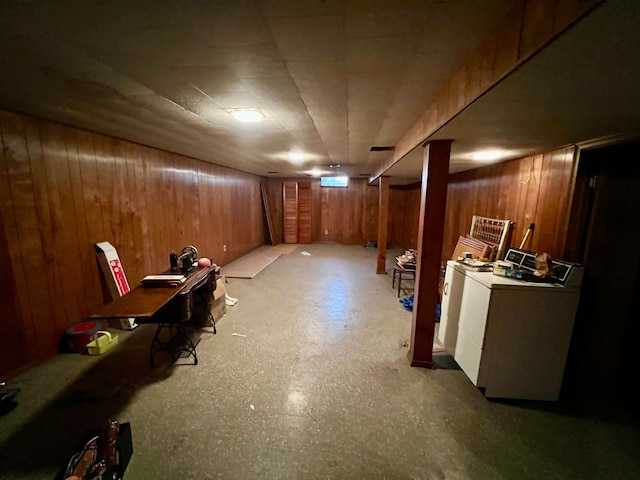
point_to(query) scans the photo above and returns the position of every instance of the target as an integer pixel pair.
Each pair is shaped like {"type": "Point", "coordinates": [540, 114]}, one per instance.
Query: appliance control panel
{"type": "Point", "coordinates": [567, 274]}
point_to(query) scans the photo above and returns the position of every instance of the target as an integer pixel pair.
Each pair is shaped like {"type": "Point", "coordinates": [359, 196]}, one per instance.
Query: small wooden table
{"type": "Point", "coordinates": [168, 307]}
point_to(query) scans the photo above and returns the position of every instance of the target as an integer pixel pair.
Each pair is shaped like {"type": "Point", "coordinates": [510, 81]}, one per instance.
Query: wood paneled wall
{"type": "Point", "coordinates": [536, 189]}
{"type": "Point", "coordinates": [63, 189]}
{"type": "Point", "coordinates": [404, 213]}
{"type": "Point", "coordinates": [348, 215]}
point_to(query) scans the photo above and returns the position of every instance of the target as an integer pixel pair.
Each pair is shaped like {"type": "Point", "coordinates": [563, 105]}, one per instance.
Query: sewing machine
{"type": "Point", "coordinates": [187, 259]}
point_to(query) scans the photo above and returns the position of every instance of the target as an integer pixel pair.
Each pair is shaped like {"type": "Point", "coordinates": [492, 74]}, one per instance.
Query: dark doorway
{"type": "Point", "coordinates": [602, 360]}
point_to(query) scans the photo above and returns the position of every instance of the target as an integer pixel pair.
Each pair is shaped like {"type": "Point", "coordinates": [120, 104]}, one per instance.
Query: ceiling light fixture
{"type": "Point", "coordinates": [316, 172]}
{"type": "Point", "coordinates": [487, 155]}
{"type": "Point", "coordinates": [296, 156]}
{"type": "Point", "coordinates": [247, 115]}
{"type": "Point", "coordinates": [335, 165]}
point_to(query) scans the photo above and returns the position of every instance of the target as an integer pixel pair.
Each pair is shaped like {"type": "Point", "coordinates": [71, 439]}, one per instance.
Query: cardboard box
{"type": "Point", "coordinates": [112, 269]}
{"type": "Point", "coordinates": [114, 277]}
{"type": "Point", "coordinates": [219, 304]}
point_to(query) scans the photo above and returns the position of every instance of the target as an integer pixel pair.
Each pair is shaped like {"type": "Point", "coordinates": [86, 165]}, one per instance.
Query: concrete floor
{"type": "Point", "coordinates": [320, 387]}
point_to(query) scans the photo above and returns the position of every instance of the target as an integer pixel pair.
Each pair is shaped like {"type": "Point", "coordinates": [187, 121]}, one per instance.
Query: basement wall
{"type": "Point", "coordinates": [347, 216]}
{"type": "Point", "coordinates": [536, 189]}
{"type": "Point", "coordinates": [62, 190]}
{"type": "Point", "coordinates": [404, 215]}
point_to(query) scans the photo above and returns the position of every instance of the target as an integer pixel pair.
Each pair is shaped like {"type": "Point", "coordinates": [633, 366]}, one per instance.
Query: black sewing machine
{"type": "Point", "coordinates": [186, 261]}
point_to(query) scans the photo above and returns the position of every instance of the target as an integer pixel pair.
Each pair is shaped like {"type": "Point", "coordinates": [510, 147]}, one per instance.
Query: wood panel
{"type": "Point", "coordinates": [370, 212]}
{"type": "Point", "coordinates": [316, 217]}
{"type": "Point", "coordinates": [348, 215]}
{"type": "Point", "coordinates": [17, 343]}
{"type": "Point", "coordinates": [404, 213]}
{"type": "Point", "coordinates": [536, 189]}
{"type": "Point", "coordinates": [331, 200]}
{"type": "Point", "coordinates": [383, 223]}
{"type": "Point", "coordinates": [290, 209]}
{"type": "Point", "coordinates": [273, 188]}
{"type": "Point", "coordinates": [305, 209]}
{"type": "Point", "coordinates": [397, 220]}
{"type": "Point", "coordinates": [63, 189]}
{"type": "Point", "coordinates": [273, 238]}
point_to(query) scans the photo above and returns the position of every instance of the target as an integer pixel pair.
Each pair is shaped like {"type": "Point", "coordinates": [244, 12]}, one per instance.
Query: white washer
{"type": "Point", "coordinates": [450, 308]}
{"type": "Point", "coordinates": [512, 336]}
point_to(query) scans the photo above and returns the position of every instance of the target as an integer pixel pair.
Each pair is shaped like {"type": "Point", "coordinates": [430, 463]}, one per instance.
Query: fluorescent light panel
{"type": "Point", "coordinates": [487, 155]}
{"type": "Point", "coordinates": [247, 115]}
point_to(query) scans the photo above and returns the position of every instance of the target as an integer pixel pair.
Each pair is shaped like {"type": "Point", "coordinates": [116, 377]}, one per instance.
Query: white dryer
{"type": "Point", "coordinates": [512, 336]}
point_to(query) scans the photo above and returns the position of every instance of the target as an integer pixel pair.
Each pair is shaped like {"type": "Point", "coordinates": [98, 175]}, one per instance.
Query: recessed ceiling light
{"type": "Point", "coordinates": [335, 165]}
{"type": "Point", "coordinates": [296, 156]}
{"type": "Point", "coordinates": [315, 172]}
{"type": "Point", "coordinates": [247, 115]}
{"type": "Point", "coordinates": [487, 155]}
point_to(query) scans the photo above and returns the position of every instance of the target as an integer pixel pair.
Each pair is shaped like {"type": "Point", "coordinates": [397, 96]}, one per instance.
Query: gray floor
{"type": "Point", "coordinates": [319, 387]}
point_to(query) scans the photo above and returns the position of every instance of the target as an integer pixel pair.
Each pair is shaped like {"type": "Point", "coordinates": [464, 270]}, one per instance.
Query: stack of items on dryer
{"type": "Point", "coordinates": [486, 242]}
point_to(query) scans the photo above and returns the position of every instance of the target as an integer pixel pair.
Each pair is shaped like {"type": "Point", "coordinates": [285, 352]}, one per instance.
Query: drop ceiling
{"type": "Point", "coordinates": [333, 78]}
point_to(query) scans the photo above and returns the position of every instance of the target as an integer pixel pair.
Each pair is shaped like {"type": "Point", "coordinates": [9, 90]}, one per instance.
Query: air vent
{"type": "Point", "coordinates": [365, 174]}
{"type": "Point", "coordinates": [273, 172]}
{"type": "Point", "coordinates": [381, 149]}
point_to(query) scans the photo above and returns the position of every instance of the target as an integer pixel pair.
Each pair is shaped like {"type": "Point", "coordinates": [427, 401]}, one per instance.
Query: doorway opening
{"type": "Point", "coordinates": [604, 235]}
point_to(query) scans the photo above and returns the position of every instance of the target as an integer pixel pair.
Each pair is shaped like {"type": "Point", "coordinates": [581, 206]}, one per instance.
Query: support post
{"type": "Point", "coordinates": [383, 223]}
{"type": "Point", "coordinates": [433, 200]}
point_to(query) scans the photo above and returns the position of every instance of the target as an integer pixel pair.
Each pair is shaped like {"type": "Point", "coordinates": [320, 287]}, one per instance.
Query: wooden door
{"type": "Point", "coordinates": [304, 212]}
{"type": "Point", "coordinates": [290, 209]}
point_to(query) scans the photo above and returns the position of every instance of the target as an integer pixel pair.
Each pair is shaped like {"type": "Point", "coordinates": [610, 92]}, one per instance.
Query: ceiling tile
{"type": "Point", "coordinates": [304, 39]}
{"type": "Point", "coordinates": [380, 54]}
{"type": "Point", "coordinates": [368, 19]}
{"type": "Point", "coordinates": [301, 8]}
{"type": "Point", "coordinates": [320, 83]}
{"type": "Point", "coordinates": [211, 81]}
{"type": "Point", "coordinates": [256, 61]}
